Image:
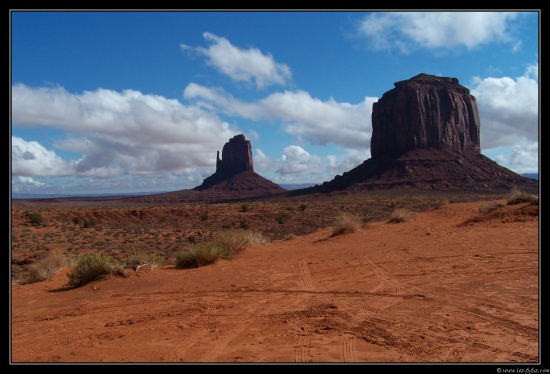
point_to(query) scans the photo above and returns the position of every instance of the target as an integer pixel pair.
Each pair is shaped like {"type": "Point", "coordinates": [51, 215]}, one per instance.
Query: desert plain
{"type": "Point", "coordinates": [457, 283]}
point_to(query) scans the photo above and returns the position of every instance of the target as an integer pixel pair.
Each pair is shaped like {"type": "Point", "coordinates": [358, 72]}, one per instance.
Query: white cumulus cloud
{"type": "Point", "coordinates": [242, 65]}
{"type": "Point", "coordinates": [508, 109]}
{"type": "Point", "coordinates": [115, 132]}
{"type": "Point", "coordinates": [31, 159]}
{"type": "Point", "coordinates": [406, 31]}
{"type": "Point", "coordinates": [308, 118]}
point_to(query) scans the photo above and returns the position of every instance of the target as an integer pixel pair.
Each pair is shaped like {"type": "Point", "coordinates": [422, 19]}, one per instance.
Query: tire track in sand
{"type": "Point", "coordinates": [455, 301]}
{"type": "Point", "coordinates": [302, 348]}
{"type": "Point", "coordinates": [348, 351]}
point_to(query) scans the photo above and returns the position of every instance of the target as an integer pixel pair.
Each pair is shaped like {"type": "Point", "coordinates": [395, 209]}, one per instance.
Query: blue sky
{"type": "Point", "coordinates": [125, 102]}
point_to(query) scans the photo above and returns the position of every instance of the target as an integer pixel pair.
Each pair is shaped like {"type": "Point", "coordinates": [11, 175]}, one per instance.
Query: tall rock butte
{"type": "Point", "coordinates": [425, 112]}
{"type": "Point", "coordinates": [235, 176]}
{"type": "Point", "coordinates": [426, 135]}
{"type": "Point", "coordinates": [236, 156]}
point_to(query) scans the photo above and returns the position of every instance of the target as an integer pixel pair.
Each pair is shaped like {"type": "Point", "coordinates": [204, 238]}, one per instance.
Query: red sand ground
{"type": "Point", "coordinates": [450, 286]}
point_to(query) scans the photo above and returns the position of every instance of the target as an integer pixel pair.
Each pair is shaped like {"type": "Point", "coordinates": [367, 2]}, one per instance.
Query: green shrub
{"type": "Point", "coordinates": [302, 207]}
{"type": "Point", "coordinates": [89, 223]}
{"type": "Point", "coordinates": [36, 219]}
{"type": "Point", "coordinates": [196, 256]}
{"type": "Point", "coordinates": [192, 239]}
{"type": "Point", "coordinates": [226, 245]}
{"type": "Point", "coordinates": [94, 266]}
{"type": "Point", "coordinates": [245, 225]}
{"type": "Point", "coordinates": [48, 267]}
{"type": "Point", "coordinates": [204, 216]}
{"type": "Point", "coordinates": [245, 208]}
{"type": "Point", "coordinates": [346, 223]}
{"type": "Point", "coordinates": [401, 215]}
{"type": "Point", "coordinates": [140, 259]}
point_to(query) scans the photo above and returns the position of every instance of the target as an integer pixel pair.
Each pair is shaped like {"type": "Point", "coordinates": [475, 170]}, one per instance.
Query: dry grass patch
{"type": "Point", "coordinates": [142, 260]}
{"type": "Point", "coordinates": [488, 208]}
{"type": "Point", "coordinates": [518, 197]}
{"type": "Point", "coordinates": [198, 255]}
{"type": "Point", "coordinates": [92, 267]}
{"type": "Point", "coordinates": [226, 244]}
{"type": "Point", "coordinates": [48, 267]}
{"type": "Point", "coordinates": [346, 223]}
{"type": "Point", "coordinates": [401, 215]}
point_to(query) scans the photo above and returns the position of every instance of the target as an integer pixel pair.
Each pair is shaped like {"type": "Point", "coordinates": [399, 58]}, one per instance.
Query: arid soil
{"type": "Point", "coordinates": [459, 283]}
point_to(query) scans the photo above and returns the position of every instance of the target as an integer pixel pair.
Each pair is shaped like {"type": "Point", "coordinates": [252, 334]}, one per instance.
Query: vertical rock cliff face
{"type": "Point", "coordinates": [236, 156]}
{"type": "Point", "coordinates": [425, 112]}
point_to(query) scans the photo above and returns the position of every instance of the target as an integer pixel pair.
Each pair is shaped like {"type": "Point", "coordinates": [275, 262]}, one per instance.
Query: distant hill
{"type": "Point", "coordinates": [297, 186]}
{"type": "Point", "coordinates": [531, 175]}
{"type": "Point", "coordinates": [26, 196]}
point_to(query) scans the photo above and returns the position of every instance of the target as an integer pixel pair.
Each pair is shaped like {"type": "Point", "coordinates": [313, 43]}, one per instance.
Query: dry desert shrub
{"type": "Point", "coordinates": [48, 267]}
{"type": "Point", "coordinates": [94, 266]}
{"type": "Point", "coordinates": [488, 208]}
{"type": "Point", "coordinates": [346, 223]}
{"type": "Point", "coordinates": [442, 202]}
{"type": "Point", "coordinates": [198, 255]}
{"type": "Point", "coordinates": [401, 215]}
{"type": "Point", "coordinates": [234, 241]}
{"type": "Point", "coordinates": [225, 245]}
{"type": "Point", "coordinates": [517, 197]}
{"type": "Point", "coordinates": [140, 260]}
{"type": "Point", "coordinates": [36, 219]}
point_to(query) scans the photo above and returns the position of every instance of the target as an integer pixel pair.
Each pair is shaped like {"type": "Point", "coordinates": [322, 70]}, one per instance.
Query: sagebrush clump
{"type": "Point", "coordinates": [346, 223]}
{"type": "Point", "coordinates": [401, 215]}
{"type": "Point", "coordinates": [197, 255]}
{"type": "Point", "coordinates": [518, 197]}
{"type": "Point", "coordinates": [94, 266]}
{"type": "Point", "coordinates": [226, 245]}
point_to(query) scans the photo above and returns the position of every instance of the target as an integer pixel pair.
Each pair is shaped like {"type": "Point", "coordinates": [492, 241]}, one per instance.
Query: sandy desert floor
{"type": "Point", "coordinates": [451, 286]}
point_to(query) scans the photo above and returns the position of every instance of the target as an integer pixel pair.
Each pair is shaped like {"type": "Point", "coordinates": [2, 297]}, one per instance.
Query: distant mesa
{"type": "Point", "coordinates": [235, 173]}
{"type": "Point", "coordinates": [426, 135]}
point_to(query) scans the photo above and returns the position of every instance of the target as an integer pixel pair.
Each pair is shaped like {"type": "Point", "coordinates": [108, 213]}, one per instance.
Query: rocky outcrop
{"type": "Point", "coordinates": [236, 156]}
{"type": "Point", "coordinates": [425, 112]}
{"type": "Point", "coordinates": [235, 176]}
{"type": "Point", "coordinates": [425, 135]}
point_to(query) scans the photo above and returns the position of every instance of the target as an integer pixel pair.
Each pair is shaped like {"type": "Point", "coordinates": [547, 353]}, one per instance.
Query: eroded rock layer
{"type": "Point", "coordinates": [425, 112]}
{"type": "Point", "coordinates": [425, 135]}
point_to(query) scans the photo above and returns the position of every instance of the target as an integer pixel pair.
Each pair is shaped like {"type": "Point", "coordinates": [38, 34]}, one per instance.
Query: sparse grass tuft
{"type": "Point", "coordinates": [149, 261]}
{"type": "Point", "coordinates": [518, 197]}
{"type": "Point", "coordinates": [488, 208]}
{"type": "Point", "coordinates": [196, 256]}
{"type": "Point", "coordinates": [94, 266]}
{"type": "Point", "coordinates": [234, 241]}
{"type": "Point", "coordinates": [226, 245]}
{"type": "Point", "coordinates": [401, 215]}
{"type": "Point", "coordinates": [346, 223]}
{"type": "Point", "coordinates": [48, 267]}
{"type": "Point", "coordinates": [442, 202]}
